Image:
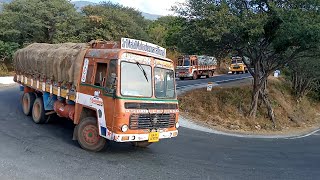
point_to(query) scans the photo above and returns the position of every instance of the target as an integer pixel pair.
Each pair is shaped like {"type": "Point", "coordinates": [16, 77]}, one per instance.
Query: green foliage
{"type": "Point", "coordinates": [305, 76]}
{"type": "Point", "coordinates": [7, 49]}
{"type": "Point", "coordinates": [112, 21]}
{"type": "Point", "coordinates": [27, 21]}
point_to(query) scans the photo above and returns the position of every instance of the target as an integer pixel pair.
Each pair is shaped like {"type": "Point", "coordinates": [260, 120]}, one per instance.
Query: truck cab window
{"type": "Point", "coordinates": [101, 74]}
{"type": "Point", "coordinates": [111, 76]}
{"type": "Point", "coordinates": [89, 78]}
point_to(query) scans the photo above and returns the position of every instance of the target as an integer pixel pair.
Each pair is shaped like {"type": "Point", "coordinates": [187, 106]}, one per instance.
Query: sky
{"type": "Point", "coordinates": [159, 7]}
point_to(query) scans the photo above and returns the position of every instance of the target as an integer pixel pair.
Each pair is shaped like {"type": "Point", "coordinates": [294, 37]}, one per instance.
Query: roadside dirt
{"type": "Point", "coordinates": [226, 108]}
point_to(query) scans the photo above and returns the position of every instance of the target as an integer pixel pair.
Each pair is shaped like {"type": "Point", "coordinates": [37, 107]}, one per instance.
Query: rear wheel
{"type": "Point", "coordinates": [27, 103]}
{"type": "Point", "coordinates": [141, 144]}
{"type": "Point", "coordinates": [195, 76]}
{"type": "Point", "coordinates": [38, 112]}
{"type": "Point", "coordinates": [88, 135]}
{"type": "Point", "coordinates": [181, 78]}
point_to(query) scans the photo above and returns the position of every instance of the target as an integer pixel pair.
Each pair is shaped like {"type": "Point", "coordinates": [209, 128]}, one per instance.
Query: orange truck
{"type": "Point", "coordinates": [119, 91]}
{"type": "Point", "coordinates": [191, 66]}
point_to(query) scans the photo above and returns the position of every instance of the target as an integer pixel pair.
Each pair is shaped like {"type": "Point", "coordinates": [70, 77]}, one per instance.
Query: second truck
{"type": "Point", "coordinates": [192, 66]}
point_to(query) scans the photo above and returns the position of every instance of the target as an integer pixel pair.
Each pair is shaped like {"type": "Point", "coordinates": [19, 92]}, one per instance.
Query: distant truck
{"type": "Point", "coordinates": [119, 91]}
{"type": "Point", "coordinates": [237, 66]}
{"type": "Point", "coordinates": [192, 66]}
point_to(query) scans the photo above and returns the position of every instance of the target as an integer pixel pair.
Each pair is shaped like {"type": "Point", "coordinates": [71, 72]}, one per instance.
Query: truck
{"type": "Point", "coordinates": [237, 66]}
{"type": "Point", "coordinates": [193, 66]}
{"type": "Point", "coordinates": [122, 91]}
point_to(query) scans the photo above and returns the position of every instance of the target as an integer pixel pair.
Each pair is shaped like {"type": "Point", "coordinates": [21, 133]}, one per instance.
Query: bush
{"type": "Point", "coordinates": [7, 50]}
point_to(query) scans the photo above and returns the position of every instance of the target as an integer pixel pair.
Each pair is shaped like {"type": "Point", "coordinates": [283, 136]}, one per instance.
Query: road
{"type": "Point", "coordinates": [30, 151]}
{"type": "Point", "coordinates": [217, 79]}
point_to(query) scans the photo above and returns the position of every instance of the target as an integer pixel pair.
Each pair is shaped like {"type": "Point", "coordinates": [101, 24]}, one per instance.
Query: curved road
{"type": "Point", "coordinates": [30, 151]}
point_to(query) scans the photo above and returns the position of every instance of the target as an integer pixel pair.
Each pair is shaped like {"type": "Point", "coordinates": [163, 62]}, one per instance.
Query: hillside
{"type": "Point", "coordinates": [80, 4]}
{"type": "Point", "coordinates": [226, 109]}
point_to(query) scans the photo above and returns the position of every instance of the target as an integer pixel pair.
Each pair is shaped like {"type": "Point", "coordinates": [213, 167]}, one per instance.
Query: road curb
{"type": "Point", "coordinates": [7, 85]}
{"type": "Point", "coordinates": [195, 126]}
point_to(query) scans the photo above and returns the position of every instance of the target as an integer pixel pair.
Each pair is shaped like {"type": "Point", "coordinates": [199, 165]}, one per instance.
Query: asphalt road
{"type": "Point", "coordinates": [204, 81]}
{"type": "Point", "coordinates": [30, 151]}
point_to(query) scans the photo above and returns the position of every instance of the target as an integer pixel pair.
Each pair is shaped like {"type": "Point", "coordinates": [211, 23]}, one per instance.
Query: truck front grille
{"type": "Point", "coordinates": [152, 121]}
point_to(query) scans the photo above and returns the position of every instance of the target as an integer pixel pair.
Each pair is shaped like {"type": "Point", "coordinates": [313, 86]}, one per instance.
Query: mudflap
{"type": "Point", "coordinates": [75, 137]}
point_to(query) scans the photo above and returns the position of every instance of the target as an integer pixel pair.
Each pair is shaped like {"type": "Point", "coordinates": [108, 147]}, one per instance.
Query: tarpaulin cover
{"type": "Point", "coordinates": [56, 62]}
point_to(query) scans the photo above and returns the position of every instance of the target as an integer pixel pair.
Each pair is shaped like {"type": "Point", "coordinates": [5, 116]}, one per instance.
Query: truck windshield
{"type": "Point", "coordinates": [164, 83]}
{"type": "Point", "coordinates": [133, 80]}
{"type": "Point", "coordinates": [186, 62]}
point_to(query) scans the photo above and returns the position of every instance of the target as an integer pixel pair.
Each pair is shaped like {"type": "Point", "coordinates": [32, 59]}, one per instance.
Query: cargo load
{"type": "Point", "coordinates": [54, 62]}
{"type": "Point", "coordinates": [207, 60]}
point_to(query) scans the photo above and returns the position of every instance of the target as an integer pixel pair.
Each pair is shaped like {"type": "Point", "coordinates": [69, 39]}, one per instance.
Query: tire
{"type": "Point", "coordinates": [88, 135]}
{"type": "Point", "coordinates": [233, 72]}
{"type": "Point", "coordinates": [27, 103]}
{"type": "Point", "coordinates": [181, 78]}
{"type": "Point", "coordinates": [141, 144]}
{"type": "Point", "coordinates": [38, 112]}
{"type": "Point", "coordinates": [246, 71]}
{"type": "Point", "coordinates": [195, 76]}
{"type": "Point", "coordinates": [210, 74]}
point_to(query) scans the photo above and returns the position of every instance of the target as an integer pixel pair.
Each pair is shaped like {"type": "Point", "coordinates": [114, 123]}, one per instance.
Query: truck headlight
{"type": "Point", "coordinates": [177, 125]}
{"type": "Point", "coordinates": [124, 128]}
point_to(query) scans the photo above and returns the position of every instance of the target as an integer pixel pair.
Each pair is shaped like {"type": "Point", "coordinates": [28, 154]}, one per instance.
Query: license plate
{"type": "Point", "coordinates": [154, 137]}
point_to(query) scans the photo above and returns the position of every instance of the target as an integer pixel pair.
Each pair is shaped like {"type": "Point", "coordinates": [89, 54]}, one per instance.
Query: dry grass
{"type": "Point", "coordinates": [227, 108]}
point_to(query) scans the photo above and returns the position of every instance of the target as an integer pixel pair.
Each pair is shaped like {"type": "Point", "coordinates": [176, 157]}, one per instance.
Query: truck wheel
{"type": "Point", "coordinates": [38, 112]}
{"type": "Point", "coordinates": [233, 72]}
{"type": "Point", "coordinates": [141, 144]}
{"type": "Point", "coordinates": [181, 78]}
{"type": "Point", "coordinates": [27, 103]}
{"type": "Point", "coordinates": [88, 135]}
{"type": "Point", "coordinates": [195, 76]}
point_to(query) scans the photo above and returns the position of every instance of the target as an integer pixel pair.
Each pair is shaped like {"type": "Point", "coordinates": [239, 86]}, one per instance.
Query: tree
{"type": "Point", "coordinates": [269, 33]}
{"type": "Point", "coordinates": [6, 50]}
{"type": "Point", "coordinates": [112, 21]}
{"type": "Point", "coordinates": [305, 76]}
{"type": "Point", "coordinates": [27, 21]}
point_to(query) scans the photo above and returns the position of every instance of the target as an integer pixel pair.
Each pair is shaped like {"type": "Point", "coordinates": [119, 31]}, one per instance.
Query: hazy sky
{"type": "Point", "coordinates": [160, 7]}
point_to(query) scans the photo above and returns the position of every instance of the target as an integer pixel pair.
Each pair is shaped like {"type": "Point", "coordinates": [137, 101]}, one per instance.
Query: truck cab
{"type": "Point", "coordinates": [237, 66]}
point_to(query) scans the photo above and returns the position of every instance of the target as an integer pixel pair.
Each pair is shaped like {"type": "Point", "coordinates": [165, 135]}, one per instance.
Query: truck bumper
{"type": "Point", "coordinates": [184, 75]}
{"type": "Point", "coordinates": [142, 137]}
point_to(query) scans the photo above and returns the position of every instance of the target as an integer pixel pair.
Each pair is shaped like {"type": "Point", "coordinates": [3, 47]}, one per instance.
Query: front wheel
{"type": "Point", "coordinates": [141, 144]}
{"type": "Point", "coordinates": [88, 135]}
{"type": "Point", "coordinates": [195, 76]}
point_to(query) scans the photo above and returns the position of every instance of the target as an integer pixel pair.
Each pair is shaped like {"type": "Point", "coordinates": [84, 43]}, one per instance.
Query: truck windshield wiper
{"type": "Point", "coordinates": [143, 71]}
